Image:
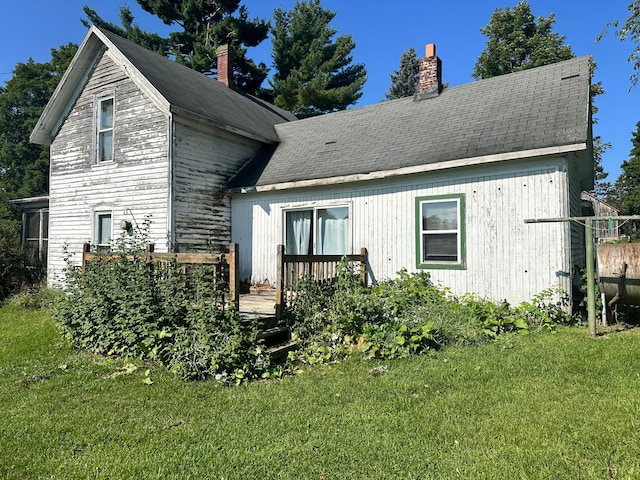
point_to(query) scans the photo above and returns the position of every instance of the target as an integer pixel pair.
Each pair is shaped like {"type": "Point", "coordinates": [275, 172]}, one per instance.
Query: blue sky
{"type": "Point", "coordinates": [382, 31]}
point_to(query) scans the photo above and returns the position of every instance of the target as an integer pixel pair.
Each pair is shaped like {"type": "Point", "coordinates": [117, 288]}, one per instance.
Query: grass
{"type": "Point", "coordinates": [538, 406]}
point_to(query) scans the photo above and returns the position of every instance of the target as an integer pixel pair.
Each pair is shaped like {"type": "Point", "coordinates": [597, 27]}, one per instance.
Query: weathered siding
{"type": "Point", "coordinates": [134, 185]}
{"type": "Point", "coordinates": [505, 258]}
{"type": "Point", "coordinates": [204, 159]}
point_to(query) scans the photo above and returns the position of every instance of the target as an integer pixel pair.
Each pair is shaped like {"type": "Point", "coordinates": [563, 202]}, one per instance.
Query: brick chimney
{"type": "Point", "coordinates": [430, 80]}
{"type": "Point", "coordinates": [225, 65]}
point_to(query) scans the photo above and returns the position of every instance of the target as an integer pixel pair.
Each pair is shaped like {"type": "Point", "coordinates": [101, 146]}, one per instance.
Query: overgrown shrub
{"type": "Point", "coordinates": [404, 316]}
{"type": "Point", "coordinates": [128, 305]}
{"type": "Point", "coordinates": [18, 270]}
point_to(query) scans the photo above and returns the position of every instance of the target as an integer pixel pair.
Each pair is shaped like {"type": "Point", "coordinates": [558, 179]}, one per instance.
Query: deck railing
{"type": "Point", "coordinates": [321, 268]}
{"type": "Point", "coordinates": [225, 264]}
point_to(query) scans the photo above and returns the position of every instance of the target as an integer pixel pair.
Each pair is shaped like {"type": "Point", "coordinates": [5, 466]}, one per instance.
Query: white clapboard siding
{"type": "Point", "coordinates": [204, 160]}
{"type": "Point", "coordinates": [133, 186]}
{"type": "Point", "coordinates": [505, 258]}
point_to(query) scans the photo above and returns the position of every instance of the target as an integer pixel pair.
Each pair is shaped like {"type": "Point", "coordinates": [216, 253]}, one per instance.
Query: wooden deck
{"type": "Point", "coordinates": [257, 306]}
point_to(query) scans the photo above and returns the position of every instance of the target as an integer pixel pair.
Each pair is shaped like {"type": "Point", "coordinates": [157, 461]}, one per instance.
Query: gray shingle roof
{"type": "Point", "coordinates": [201, 96]}
{"type": "Point", "coordinates": [529, 110]}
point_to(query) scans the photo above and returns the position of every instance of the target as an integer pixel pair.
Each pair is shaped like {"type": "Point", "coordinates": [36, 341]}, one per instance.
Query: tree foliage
{"type": "Point", "coordinates": [627, 186]}
{"type": "Point", "coordinates": [24, 166]}
{"type": "Point", "coordinates": [404, 81]}
{"type": "Point", "coordinates": [204, 26]}
{"type": "Point", "coordinates": [629, 30]}
{"type": "Point", "coordinates": [314, 71]}
{"type": "Point", "coordinates": [518, 41]}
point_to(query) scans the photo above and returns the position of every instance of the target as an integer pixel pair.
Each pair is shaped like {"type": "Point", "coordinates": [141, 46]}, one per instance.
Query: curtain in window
{"type": "Point", "coordinates": [104, 229]}
{"type": "Point", "coordinates": [332, 231]}
{"type": "Point", "coordinates": [298, 232]}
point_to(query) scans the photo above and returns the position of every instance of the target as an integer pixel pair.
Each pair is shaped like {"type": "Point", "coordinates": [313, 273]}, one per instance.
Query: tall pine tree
{"type": "Point", "coordinates": [627, 186]}
{"type": "Point", "coordinates": [314, 71]}
{"type": "Point", "coordinates": [205, 25]}
{"type": "Point", "coordinates": [404, 81]}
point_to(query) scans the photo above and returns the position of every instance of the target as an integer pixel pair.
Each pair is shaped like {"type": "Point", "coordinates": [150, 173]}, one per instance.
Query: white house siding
{"type": "Point", "coordinates": [204, 160]}
{"type": "Point", "coordinates": [505, 258]}
{"type": "Point", "coordinates": [133, 186]}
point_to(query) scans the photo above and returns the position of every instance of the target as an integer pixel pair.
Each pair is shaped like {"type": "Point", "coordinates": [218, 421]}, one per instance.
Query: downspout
{"type": "Point", "coordinates": [171, 236]}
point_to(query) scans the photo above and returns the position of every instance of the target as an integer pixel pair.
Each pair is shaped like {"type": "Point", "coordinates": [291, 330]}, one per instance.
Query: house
{"type": "Point", "coordinates": [441, 182]}
{"type": "Point", "coordinates": [133, 134]}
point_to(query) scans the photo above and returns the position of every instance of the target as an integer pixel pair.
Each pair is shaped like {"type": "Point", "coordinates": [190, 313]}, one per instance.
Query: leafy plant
{"type": "Point", "coordinates": [405, 316]}
{"type": "Point", "coordinates": [128, 305]}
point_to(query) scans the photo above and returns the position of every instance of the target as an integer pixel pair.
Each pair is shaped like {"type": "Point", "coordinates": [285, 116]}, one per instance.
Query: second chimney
{"type": "Point", "coordinates": [430, 71]}
{"type": "Point", "coordinates": [225, 63]}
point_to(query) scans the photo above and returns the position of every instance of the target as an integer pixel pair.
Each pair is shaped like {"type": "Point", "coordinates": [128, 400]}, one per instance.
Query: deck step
{"type": "Point", "coordinates": [281, 349]}
{"type": "Point", "coordinates": [274, 331]}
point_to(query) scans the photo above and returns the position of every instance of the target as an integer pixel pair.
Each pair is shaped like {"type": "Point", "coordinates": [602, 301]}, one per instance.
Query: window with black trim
{"type": "Point", "coordinates": [440, 231]}
{"type": "Point", "coordinates": [36, 233]}
{"type": "Point", "coordinates": [105, 130]}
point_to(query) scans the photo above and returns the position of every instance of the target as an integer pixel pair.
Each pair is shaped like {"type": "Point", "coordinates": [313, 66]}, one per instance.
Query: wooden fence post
{"type": "Point", "coordinates": [234, 277]}
{"type": "Point", "coordinates": [364, 258]}
{"type": "Point", "coordinates": [86, 248]}
{"type": "Point", "coordinates": [280, 282]}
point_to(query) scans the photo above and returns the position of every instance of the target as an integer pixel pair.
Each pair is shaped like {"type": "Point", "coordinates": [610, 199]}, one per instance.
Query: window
{"type": "Point", "coordinates": [102, 229]}
{"type": "Point", "coordinates": [36, 233]}
{"type": "Point", "coordinates": [320, 231]}
{"type": "Point", "coordinates": [105, 130]}
{"type": "Point", "coordinates": [440, 231]}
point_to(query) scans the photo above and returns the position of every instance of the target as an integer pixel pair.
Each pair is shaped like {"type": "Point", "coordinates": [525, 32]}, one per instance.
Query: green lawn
{"type": "Point", "coordinates": [541, 406]}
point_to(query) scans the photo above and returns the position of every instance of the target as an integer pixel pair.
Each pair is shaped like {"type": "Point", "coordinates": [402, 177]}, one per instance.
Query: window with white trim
{"type": "Point", "coordinates": [318, 230]}
{"type": "Point", "coordinates": [102, 229]}
{"type": "Point", "coordinates": [105, 130]}
{"type": "Point", "coordinates": [440, 224]}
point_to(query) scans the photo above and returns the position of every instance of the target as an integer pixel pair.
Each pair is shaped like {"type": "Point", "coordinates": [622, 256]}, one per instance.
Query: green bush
{"type": "Point", "coordinates": [128, 305]}
{"type": "Point", "coordinates": [18, 271]}
{"type": "Point", "coordinates": [404, 316]}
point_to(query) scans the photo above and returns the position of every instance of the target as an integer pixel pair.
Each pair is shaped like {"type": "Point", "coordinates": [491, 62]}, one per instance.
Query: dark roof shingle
{"type": "Point", "coordinates": [529, 110]}
{"type": "Point", "coordinates": [196, 94]}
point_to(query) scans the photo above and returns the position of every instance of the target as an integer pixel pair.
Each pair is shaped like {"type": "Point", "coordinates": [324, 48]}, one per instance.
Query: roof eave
{"type": "Point", "coordinates": [224, 126]}
{"type": "Point", "coordinates": [431, 167]}
{"type": "Point", "coordinates": [59, 104]}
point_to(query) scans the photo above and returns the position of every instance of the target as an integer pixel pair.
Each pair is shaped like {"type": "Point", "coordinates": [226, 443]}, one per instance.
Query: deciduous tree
{"type": "Point", "coordinates": [314, 70]}
{"type": "Point", "coordinates": [517, 41]}
{"type": "Point", "coordinates": [630, 30]}
{"type": "Point", "coordinates": [24, 167]}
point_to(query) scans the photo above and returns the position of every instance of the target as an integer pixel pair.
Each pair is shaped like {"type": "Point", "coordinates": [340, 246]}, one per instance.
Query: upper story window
{"type": "Point", "coordinates": [440, 227]}
{"type": "Point", "coordinates": [105, 130]}
{"type": "Point", "coordinates": [319, 231]}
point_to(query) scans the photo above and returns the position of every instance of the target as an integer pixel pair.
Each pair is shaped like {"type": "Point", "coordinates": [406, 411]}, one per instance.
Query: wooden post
{"type": "Point", "coordinates": [86, 248]}
{"type": "Point", "coordinates": [280, 282]}
{"type": "Point", "coordinates": [591, 279]}
{"type": "Point", "coordinates": [363, 265]}
{"type": "Point", "coordinates": [234, 277]}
